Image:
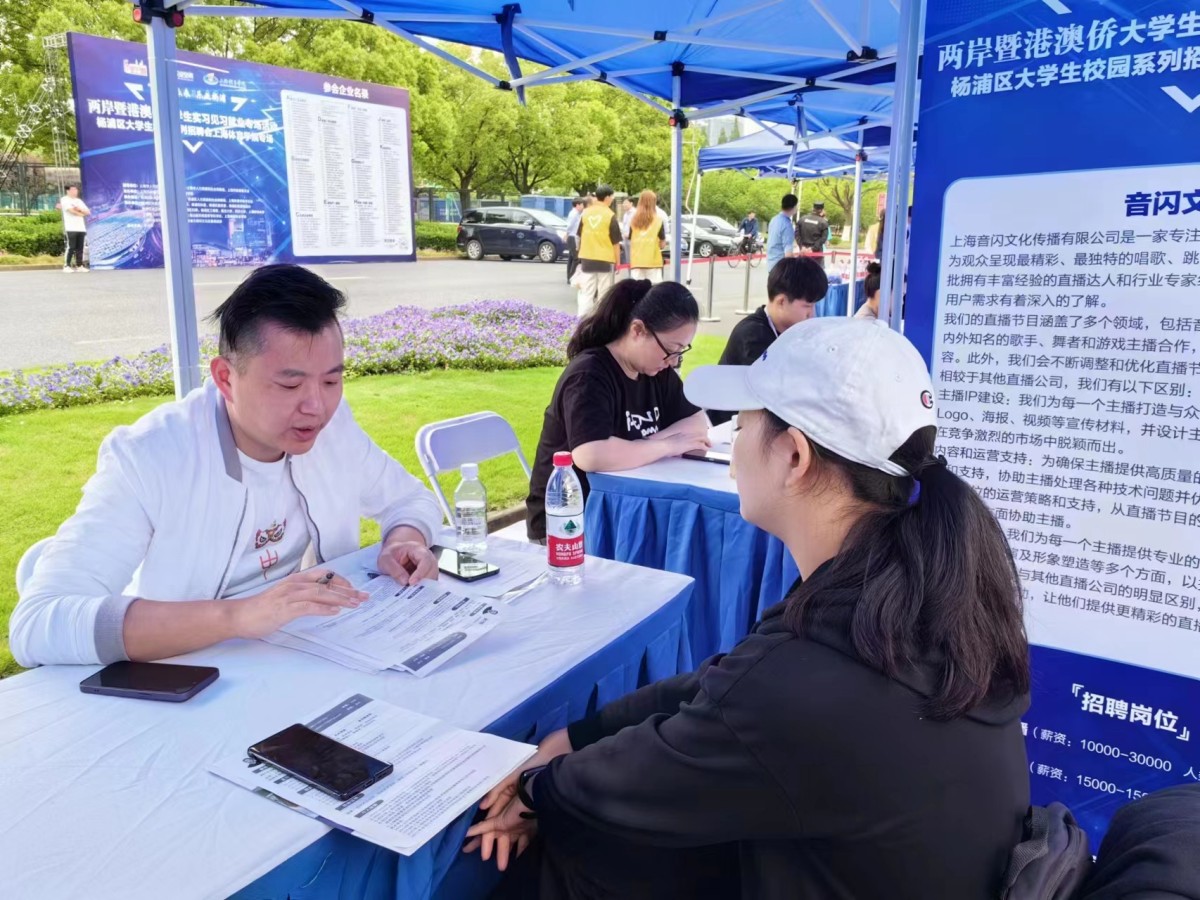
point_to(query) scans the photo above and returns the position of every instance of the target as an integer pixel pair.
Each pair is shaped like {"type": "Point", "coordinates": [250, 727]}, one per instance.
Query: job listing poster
{"type": "Point", "coordinates": [1052, 288]}
{"type": "Point", "coordinates": [281, 165]}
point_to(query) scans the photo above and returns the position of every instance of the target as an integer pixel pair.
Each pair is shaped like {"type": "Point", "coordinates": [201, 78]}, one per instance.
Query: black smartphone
{"type": "Point", "coordinates": [463, 566]}
{"type": "Point", "coordinates": [712, 456]}
{"type": "Point", "coordinates": [321, 762]}
{"type": "Point", "coordinates": [150, 681]}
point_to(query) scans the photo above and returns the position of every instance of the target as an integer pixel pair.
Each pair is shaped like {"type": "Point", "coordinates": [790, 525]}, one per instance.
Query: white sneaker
{"type": "Point", "coordinates": [68, 269]}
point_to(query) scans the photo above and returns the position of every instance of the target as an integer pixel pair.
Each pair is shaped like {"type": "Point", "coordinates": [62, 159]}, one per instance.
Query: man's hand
{"type": "Point", "coordinates": [405, 557]}
{"type": "Point", "coordinates": [310, 593]}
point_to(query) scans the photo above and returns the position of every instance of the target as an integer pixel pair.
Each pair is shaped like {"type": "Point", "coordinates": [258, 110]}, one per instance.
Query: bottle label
{"type": "Point", "coordinates": [564, 540]}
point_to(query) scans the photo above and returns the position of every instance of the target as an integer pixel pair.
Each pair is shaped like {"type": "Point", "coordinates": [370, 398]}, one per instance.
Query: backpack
{"type": "Point", "coordinates": [1053, 859]}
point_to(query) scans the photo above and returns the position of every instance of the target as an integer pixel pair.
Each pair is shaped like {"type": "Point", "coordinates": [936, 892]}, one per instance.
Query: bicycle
{"type": "Point", "coordinates": [749, 247]}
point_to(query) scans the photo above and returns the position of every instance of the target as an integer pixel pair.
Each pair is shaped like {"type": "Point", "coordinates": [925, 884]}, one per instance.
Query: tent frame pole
{"type": "Point", "coordinates": [852, 295]}
{"type": "Point", "coordinates": [895, 238]}
{"type": "Point", "coordinates": [676, 173]}
{"type": "Point", "coordinates": [173, 207]}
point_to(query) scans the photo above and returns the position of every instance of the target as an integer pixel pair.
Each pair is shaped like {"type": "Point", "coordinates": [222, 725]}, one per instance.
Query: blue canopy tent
{"type": "Point", "coordinates": [688, 58]}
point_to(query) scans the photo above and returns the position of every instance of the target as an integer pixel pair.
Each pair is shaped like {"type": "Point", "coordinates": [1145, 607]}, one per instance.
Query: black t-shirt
{"type": "Point", "coordinates": [593, 401]}
{"type": "Point", "coordinates": [747, 342]}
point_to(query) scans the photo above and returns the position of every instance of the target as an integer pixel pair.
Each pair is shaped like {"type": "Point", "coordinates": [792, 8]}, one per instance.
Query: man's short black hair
{"type": "Point", "coordinates": [789, 201]}
{"type": "Point", "coordinates": [69, 186]}
{"type": "Point", "coordinates": [603, 192]}
{"type": "Point", "coordinates": [290, 296]}
{"type": "Point", "coordinates": [798, 278]}
{"type": "Point", "coordinates": [579, 201]}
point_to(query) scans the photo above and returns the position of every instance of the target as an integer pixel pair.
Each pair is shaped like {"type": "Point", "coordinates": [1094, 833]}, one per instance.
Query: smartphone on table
{"type": "Point", "coordinates": [321, 762]}
{"type": "Point", "coordinates": [463, 566]}
{"type": "Point", "coordinates": [150, 681]}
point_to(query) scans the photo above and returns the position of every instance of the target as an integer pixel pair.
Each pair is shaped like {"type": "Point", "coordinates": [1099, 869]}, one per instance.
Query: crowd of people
{"type": "Point", "coordinates": [864, 740]}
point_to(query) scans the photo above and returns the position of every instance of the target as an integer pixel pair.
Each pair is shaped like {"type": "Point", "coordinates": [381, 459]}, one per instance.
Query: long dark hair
{"type": "Point", "coordinates": [660, 307]}
{"type": "Point", "coordinates": [937, 579]}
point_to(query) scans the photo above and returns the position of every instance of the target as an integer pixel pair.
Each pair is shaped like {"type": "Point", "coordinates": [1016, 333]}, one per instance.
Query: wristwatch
{"type": "Point", "coordinates": [522, 792]}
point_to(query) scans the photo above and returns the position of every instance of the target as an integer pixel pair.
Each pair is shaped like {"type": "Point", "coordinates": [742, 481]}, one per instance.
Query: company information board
{"type": "Point", "coordinates": [281, 165]}
{"type": "Point", "coordinates": [1057, 240]}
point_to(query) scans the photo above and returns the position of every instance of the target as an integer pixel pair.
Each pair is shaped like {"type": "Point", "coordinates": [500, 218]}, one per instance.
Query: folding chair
{"type": "Point", "coordinates": [445, 446]}
{"type": "Point", "coordinates": [27, 563]}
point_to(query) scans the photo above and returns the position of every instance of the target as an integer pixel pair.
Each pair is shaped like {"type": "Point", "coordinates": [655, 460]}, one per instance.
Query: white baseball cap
{"type": "Point", "coordinates": [853, 386]}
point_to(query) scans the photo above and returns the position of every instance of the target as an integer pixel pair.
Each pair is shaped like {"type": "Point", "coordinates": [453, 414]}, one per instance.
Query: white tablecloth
{"type": "Point", "coordinates": [690, 472]}
{"type": "Point", "coordinates": [106, 797]}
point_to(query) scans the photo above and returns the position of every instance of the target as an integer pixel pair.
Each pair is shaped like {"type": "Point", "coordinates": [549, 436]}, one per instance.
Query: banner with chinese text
{"type": "Point", "coordinates": [1054, 267]}
{"type": "Point", "coordinates": [282, 165]}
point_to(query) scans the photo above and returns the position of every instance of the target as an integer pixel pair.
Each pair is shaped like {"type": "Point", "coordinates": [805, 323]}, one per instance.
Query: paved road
{"type": "Point", "coordinates": [56, 317]}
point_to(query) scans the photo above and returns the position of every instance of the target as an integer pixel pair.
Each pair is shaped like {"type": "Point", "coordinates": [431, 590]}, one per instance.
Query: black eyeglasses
{"type": "Point", "coordinates": [677, 355]}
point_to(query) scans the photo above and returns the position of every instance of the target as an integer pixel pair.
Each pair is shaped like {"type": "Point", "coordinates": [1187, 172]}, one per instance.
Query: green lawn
{"type": "Point", "coordinates": [46, 456]}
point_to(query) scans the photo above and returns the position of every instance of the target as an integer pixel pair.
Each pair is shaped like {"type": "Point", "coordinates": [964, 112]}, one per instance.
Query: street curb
{"type": "Point", "coordinates": [505, 517]}
{"type": "Point", "coordinates": [55, 268]}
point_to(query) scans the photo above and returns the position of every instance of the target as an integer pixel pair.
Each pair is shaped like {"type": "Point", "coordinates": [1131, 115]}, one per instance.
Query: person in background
{"type": "Point", "coordinates": [75, 213]}
{"type": "Point", "coordinates": [619, 402]}
{"type": "Point", "coordinates": [865, 740]}
{"type": "Point", "coordinates": [781, 233]}
{"type": "Point", "coordinates": [871, 284]}
{"type": "Point", "coordinates": [749, 231]}
{"type": "Point", "coordinates": [647, 238]}
{"type": "Point", "coordinates": [627, 210]}
{"type": "Point", "coordinates": [794, 288]}
{"type": "Point", "coordinates": [813, 231]}
{"type": "Point", "coordinates": [577, 206]}
{"type": "Point", "coordinates": [204, 515]}
{"type": "Point", "coordinates": [599, 249]}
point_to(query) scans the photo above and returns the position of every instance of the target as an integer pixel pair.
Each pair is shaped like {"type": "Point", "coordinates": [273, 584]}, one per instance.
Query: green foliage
{"type": "Point", "coordinates": [32, 235]}
{"type": "Point", "coordinates": [436, 236]}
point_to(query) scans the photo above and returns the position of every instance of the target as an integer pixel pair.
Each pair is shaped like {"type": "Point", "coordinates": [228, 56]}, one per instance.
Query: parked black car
{"type": "Point", "coordinates": [510, 232]}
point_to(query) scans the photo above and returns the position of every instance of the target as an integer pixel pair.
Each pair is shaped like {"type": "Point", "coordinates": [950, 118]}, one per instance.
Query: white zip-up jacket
{"type": "Point", "coordinates": [166, 515]}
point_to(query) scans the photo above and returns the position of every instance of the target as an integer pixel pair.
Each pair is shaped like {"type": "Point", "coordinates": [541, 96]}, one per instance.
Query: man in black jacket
{"type": "Point", "coordinates": [794, 288]}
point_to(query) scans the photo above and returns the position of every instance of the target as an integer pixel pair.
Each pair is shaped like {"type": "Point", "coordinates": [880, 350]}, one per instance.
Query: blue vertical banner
{"type": "Point", "coordinates": [282, 165]}
{"type": "Point", "coordinates": [1052, 285]}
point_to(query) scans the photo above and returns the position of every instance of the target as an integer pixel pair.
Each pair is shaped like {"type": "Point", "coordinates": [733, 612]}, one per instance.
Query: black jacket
{"type": "Point", "coordinates": [785, 769]}
{"type": "Point", "coordinates": [749, 338]}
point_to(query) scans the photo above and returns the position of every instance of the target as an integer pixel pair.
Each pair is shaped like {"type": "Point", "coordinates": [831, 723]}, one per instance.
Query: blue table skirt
{"type": "Point", "coordinates": [349, 868]}
{"type": "Point", "coordinates": [740, 570]}
{"type": "Point", "coordinates": [834, 303]}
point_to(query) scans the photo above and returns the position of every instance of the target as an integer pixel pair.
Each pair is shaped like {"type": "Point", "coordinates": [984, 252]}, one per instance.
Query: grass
{"type": "Point", "coordinates": [47, 455]}
{"type": "Point", "coordinates": [9, 259]}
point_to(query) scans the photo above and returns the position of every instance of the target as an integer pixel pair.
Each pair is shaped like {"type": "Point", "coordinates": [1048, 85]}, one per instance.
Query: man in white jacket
{"type": "Point", "coordinates": [232, 492]}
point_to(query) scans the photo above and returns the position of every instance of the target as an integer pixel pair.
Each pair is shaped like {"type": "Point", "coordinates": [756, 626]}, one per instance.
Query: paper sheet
{"type": "Point", "coordinates": [413, 628]}
{"type": "Point", "coordinates": [440, 772]}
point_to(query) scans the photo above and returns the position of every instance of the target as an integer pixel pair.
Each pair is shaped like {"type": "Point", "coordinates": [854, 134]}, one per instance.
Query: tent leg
{"type": "Point", "coordinates": [676, 179]}
{"type": "Point", "coordinates": [695, 213]}
{"type": "Point", "coordinates": [852, 296]}
{"type": "Point", "coordinates": [173, 216]}
{"type": "Point", "coordinates": [895, 236]}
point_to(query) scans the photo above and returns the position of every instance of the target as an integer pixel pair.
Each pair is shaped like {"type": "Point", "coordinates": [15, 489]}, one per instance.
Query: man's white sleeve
{"type": "Point", "coordinates": [73, 608]}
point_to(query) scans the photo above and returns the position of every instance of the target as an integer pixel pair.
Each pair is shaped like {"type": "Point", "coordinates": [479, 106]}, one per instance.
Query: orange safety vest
{"type": "Point", "coordinates": [645, 251]}
{"type": "Point", "coordinates": [595, 234]}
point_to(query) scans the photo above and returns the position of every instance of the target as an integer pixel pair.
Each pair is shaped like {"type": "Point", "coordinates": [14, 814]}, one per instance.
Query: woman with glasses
{"type": "Point", "coordinates": [619, 403]}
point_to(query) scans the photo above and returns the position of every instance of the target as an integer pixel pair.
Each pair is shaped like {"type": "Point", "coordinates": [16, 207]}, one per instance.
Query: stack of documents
{"type": "Point", "coordinates": [413, 628]}
{"type": "Point", "coordinates": [440, 772]}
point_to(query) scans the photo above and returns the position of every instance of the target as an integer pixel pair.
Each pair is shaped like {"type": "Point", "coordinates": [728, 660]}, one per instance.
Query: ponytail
{"type": "Point", "coordinates": [874, 280]}
{"type": "Point", "coordinates": [936, 579]}
{"type": "Point", "coordinates": [661, 307]}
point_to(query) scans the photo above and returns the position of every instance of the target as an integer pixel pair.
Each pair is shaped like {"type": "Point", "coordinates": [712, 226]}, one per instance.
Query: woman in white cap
{"type": "Point", "coordinates": [864, 741]}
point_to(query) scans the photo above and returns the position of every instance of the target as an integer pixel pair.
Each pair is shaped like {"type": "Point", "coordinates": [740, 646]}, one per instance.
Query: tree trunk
{"type": "Point", "coordinates": [464, 197]}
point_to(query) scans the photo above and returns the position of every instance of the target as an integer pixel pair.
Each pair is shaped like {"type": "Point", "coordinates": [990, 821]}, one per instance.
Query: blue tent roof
{"type": "Point", "coordinates": [729, 50]}
{"type": "Point", "coordinates": [769, 153]}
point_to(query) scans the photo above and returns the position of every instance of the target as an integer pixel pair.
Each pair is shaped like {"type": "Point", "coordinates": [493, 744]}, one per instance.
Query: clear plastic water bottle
{"type": "Point", "coordinates": [470, 512]}
{"type": "Point", "coordinates": [564, 522]}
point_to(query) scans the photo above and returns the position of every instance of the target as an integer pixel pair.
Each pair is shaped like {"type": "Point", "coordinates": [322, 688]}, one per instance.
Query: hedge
{"type": "Point", "coordinates": [436, 236]}
{"type": "Point", "coordinates": [32, 235]}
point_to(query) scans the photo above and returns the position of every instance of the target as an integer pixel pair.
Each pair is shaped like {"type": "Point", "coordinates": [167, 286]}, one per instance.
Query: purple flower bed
{"type": "Point", "coordinates": [487, 335]}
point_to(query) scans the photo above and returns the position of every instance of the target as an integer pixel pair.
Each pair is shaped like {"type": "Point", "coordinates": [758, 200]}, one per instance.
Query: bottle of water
{"type": "Point", "coordinates": [470, 512]}
{"type": "Point", "coordinates": [564, 522]}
